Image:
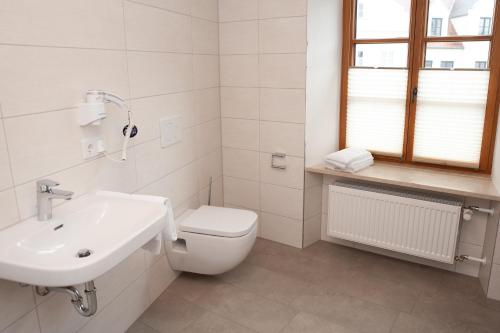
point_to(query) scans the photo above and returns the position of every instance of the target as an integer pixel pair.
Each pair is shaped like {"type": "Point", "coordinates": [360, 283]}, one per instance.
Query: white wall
{"type": "Point", "coordinates": [262, 65]}
{"type": "Point", "coordinates": [324, 56]}
{"type": "Point", "coordinates": [160, 55]}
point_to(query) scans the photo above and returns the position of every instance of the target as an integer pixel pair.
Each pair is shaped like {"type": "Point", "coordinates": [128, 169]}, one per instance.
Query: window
{"type": "Point", "coordinates": [484, 25]}
{"type": "Point", "coordinates": [480, 65]}
{"type": "Point", "coordinates": [436, 26]}
{"type": "Point", "coordinates": [447, 64]}
{"type": "Point", "coordinates": [401, 101]}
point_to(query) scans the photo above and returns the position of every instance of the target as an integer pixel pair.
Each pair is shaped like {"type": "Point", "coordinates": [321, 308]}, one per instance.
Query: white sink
{"type": "Point", "coordinates": [111, 225]}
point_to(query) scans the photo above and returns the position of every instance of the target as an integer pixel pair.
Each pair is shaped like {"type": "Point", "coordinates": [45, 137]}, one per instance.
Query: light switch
{"type": "Point", "coordinates": [170, 130]}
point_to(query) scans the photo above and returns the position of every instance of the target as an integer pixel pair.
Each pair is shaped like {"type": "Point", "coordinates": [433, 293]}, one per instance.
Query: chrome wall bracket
{"type": "Point", "coordinates": [274, 161]}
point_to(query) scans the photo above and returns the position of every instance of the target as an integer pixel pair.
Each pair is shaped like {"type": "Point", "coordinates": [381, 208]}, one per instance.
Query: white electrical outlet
{"type": "Point", "coordinates": [170, 130]}
{"type": "Point", "coordinates": [92, 147]}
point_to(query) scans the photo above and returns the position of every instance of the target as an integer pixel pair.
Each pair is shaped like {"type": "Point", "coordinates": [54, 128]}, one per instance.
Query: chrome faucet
{"type": "Point", "coordinates": [44, 195]}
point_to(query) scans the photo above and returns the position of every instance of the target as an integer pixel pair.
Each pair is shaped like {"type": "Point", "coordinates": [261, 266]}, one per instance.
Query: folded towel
{"type": "Point", "coordinates": [342, 158]}
{"type": "Point", "coordinates": [354, 166]}
{"type": "Point", "coordinates": [169, 232]}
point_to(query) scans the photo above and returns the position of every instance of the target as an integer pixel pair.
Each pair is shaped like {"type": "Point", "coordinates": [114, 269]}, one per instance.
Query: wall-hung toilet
{"type": "Point", "coordinates": [212, 240]}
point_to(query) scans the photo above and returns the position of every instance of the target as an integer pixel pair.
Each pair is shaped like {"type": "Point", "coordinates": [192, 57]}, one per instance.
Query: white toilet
{"type": "Point", "coordinates": [212, 240]}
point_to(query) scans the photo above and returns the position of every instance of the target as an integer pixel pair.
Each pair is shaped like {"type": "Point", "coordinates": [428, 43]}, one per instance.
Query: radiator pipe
{"type": "Point", "coordinates": [463, 258]}
{"type": "Point", "coordinates": [468, 211]}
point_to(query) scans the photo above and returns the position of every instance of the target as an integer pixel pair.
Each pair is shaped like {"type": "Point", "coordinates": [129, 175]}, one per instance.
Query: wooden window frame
{"type": "Point", "coordinates": [417, 40]}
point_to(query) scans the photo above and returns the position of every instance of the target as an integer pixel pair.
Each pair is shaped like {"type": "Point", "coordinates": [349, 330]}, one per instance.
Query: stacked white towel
{"type": "Point", "coordinates": [349, 159]}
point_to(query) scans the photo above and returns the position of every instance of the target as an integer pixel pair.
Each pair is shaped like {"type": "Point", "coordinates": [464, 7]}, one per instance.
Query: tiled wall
{"type": "Point", "coordinates": [262, 73]}
{"type": "Point", "coordinates": [160, 55]}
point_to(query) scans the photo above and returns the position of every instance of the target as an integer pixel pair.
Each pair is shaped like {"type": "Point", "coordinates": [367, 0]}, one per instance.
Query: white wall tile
{"type": "Point", "coordinates": [283, 201]}
{"type": "Point", "coordinates": [282, 137]}
{"type": "Point", "coordinates": [54, 143]}
{"type": "Point", "coordinates": [159, 276]}
{"type": "Point", "coordinates": [180, 6]}
{"type": "Point", "coordinates": [239, 37]}
{"type": "Point", "coordinates": [241, 163]}
{"type": "Point", "coordinates": [292, 176]}
{"type": "Point", "coordinates": [15, 302]}
{"type": "Point", "coordinates": [98, 174]}
{"type": "Point", "coordinates": [496, 255]}
{"type": "Point", "coordinates": [152, 29]}
{"type": "Point", "coordinates": [209, 165]}
{"type": "Point", "coordinates": [5, 174]}
{"type": "Point", "coordinates": [240, 133]}
{"type": "Point", "coordinates": [27, 324]}
{"type": "Point", "coordinates": [63, 23]}
{"type": "Point", "coordinates": [240, 192]}
{"type": "Point", "coordinates": [208, 137]}
{"type": "Point", "coordinates": [205, 36]}
{"type": "Point", "coordinates": [281, 229]}
{"type": "Point", "coordinates": [123, 311]}
{"type": "Point", "coordinates": [494, 289]}
{"type": "Point", "coordinates": [149, 111]}
{"type": "Point", "coordinates": [284, 35]}
{"type": "Point", "coordinates": [282, 8]}
{"type": "Point", "coordinates": [178, 186]}
{"type": "Point", "coordinates": [155, 162]}
{"type": "Point", "coordinates": [239, 70]}
{"type": "Point", "coordinates": [312, 230]}
{"type": "Point", "coordinates": [207, 9]}
{"type": "Point", "coordinates": [313, 198]}
{"type": "Point", "coordinates": [237, 10]}
{"type": "Point", "coordinates": [207, 104]}
{"type": "Point", "coordinates": [287, 105]}
{"type": "Point", "coordinates": [38, 79]}
{"type": "Point", "coordinates": [282, 70]}
{"type": "Point", "coordinates": [159, 73]}
{"type": "Point", "coordinates": [206, 71]}
{"type": "Point", "coordinates": [240, 102]}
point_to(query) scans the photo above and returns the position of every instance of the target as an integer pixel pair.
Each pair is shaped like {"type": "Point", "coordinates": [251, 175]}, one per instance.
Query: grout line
{"type": "Point", "coordinates": [170, 10]}
{"type": "Point", "coordinates": [264, 120]}
{"type": "Point", "coordinates": [262, 54]}
{"type": "Point", "coordinates": [263, 87]}
{"type": "Point", "coordinates": [262, 19]}
{"type": "Point", "coordinates": [258, 151]}
{"type": "Point", "coordinates": [11, 170]}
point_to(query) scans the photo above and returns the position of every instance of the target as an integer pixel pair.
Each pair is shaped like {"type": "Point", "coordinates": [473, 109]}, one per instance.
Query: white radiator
{"type": "Point", "coordinates": [410, 223]}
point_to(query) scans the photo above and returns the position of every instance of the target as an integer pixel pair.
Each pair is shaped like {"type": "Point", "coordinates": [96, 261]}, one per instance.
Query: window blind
{"type": "Point", "coordinates": [376, 104]}
{"type": "Point", "coordinates": [450, 117]}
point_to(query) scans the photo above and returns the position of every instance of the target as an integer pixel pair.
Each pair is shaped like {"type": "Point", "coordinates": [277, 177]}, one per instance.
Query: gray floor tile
{"type": "Point", "coordinates": [191, 286]}
{"type": "Point", "coordinates": [324, 288]}
{"type": "Point", "coordinates": [246, 308]}
{"type": "Point", "coordinates": [171, 313]}
{"type": "Point", "coordinates": [305, 322]}
{"type": "Point", "coordinates": [140, 327]}
{"type": "Point", "coordinates": [346, 311]}
{"type": "Point", "coordinates": [272, 285]}
{"type": "Point", "coordinates": [212, 323]}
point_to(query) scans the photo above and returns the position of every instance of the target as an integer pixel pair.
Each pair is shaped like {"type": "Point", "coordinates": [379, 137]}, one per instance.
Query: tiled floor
{"type": "Point", "coordinates": [324, 288]}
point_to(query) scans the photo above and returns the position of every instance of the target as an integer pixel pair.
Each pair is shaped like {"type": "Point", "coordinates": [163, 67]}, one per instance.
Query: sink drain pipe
{"type": "Point", "coordinates": [76, 298]}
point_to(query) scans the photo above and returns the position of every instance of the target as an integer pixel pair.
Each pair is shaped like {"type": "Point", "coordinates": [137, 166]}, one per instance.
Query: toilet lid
{"type": "Point", "coordinates": [219, 221]}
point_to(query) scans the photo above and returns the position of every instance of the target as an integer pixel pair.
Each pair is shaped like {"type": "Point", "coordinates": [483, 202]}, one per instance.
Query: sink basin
{"type": "Point", "coordinates": [84, 239]}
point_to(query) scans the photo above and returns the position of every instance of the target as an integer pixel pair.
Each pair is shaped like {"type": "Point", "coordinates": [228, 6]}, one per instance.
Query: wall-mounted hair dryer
{"type": "Point", "coordinates": [93, 111]}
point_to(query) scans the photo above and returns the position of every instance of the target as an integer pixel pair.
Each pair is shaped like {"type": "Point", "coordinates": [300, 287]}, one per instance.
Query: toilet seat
{"type": "Point", "coordinates": [219, 221]}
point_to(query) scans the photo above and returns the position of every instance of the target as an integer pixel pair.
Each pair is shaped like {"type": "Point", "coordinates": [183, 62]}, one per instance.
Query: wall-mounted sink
{"type": "Point", "coordinates": [84, 239]}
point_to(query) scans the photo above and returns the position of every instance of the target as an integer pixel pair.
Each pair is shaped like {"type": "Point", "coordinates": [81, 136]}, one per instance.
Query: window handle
{"type": "Point", "coordinates": [414, 94]}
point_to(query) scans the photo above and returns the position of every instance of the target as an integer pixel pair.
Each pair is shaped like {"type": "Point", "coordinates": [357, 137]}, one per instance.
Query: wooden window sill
{"type": "Point", "coordinates": [449, 182]}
